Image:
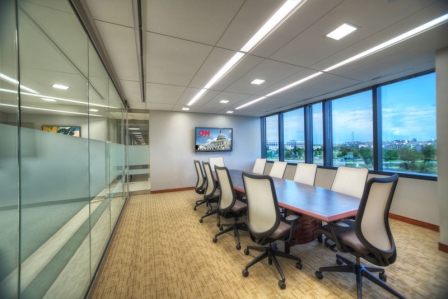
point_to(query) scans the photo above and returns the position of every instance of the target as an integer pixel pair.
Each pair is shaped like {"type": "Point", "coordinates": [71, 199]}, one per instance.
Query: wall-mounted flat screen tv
{"type": "Point", "coordinates": [213, 139]}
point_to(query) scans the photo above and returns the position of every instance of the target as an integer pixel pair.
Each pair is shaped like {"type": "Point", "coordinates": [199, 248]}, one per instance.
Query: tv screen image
{"type": "Point", "coordinates": [213, 139]}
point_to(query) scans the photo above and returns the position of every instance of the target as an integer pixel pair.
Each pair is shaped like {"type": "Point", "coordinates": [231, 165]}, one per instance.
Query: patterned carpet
{"type": "Point", "coordinates": [160, 250]}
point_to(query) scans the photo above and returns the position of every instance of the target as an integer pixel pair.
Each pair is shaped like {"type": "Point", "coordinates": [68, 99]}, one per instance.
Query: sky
{"type": "Point", "coordinates": [408, 109]}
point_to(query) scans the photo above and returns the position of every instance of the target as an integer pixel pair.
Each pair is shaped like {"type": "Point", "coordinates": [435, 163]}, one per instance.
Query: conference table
{"type": "Point", "coordinates": [315, 203]}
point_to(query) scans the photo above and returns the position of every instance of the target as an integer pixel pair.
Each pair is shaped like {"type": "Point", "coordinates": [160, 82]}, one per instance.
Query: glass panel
{"type": "Point", "coordinates": [318, 134]}
{"type": "Point", "coordinates": [99, 158]}
{"type": "Point", "coordinates": [294, 136]}
{"type": "Point", "coordinates": [353, 130]}
{"type": "Point", "coordinates": [139, 178]}
{"type": "Point", "coordinates": [55, 239]}
{"type": "Point", "coordinates": [9, 171]}
{"type": "Point", "coordinates": [409, 125]}
{"type": "Point", "coordinates": [272, 137]}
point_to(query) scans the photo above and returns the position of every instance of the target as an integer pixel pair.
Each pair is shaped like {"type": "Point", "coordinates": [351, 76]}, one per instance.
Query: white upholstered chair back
{"type": "Point", "coordinates": [259, 166]}
{"type": "Point", "coordinates": [278, 169]}
{"type": "Point", "coordinates": [261, 210]}
{"type": "Point", "coordinates": [373, 226]}
{"type": "Point", "coordinates": [218, 161]}
{"type": "Point", "coordinates": [305, 173]}
{"type": "Point", "coordinates": [210, 190]}
{"type": "Point", "coordinates": [200, 181]}
{"type": "Point", "coordinates": [350, 181]}
{"type": "Point", "coordinates": [227, 193]}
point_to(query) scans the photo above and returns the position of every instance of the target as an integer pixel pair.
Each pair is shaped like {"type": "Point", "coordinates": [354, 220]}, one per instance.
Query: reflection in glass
{"type": "Point", "coordinates": [272, 137]}
{"type": "Point", "coordinates": [353, 130]}
{"type": "Point", "coordinates": [294, 136]}
{"type": "Point", "coordinates": [409, 125]}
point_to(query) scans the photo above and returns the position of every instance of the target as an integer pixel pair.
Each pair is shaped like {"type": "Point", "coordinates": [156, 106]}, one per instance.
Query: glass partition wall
{"type": "Point", "coordinates": [62, 152]}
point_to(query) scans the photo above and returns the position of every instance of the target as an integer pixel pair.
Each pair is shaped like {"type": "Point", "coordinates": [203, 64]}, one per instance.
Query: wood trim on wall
{"type": "Point", "coordinates": [443, 247]}
{"type": "Point", "coordinates": [172, 190]}
{"type": "Point", "coordinates": [415, 222]}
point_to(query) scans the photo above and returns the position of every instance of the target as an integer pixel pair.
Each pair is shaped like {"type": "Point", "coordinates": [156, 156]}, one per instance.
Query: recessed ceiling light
{"type": "Point", "coordinates": [341, 31]}
{"type": "Point", "coordinates": [224, 101]}
{"type": "Point", "coordinates": [185, 109]}
{"type": "Point", "coordinates": [59, 86]}
{"type": "Point", "coordinates": [48, 100]}
{"type": "Point", "coordinates": [280, 15]}
{"type": "Point", "coordinates": [229, 112]}
{"type": "Point", "coordinates": [134, 129]}
{"type": "Point", "coordinates": [93, 110]}
{"type": "Point", "coordinates": [257, 81]}
{"type": "Point", "coordinates": [136, 133]}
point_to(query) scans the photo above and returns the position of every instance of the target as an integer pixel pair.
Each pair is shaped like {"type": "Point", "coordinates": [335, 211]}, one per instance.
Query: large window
{"type": "Point", "coordinates": [409, 125]}
{"type": "Point", "coordinates": [353, 130]}
{"type": "Point", "coordinates": [294, 136]}
{"type": "Point", "coordinates": [318, 138]}
{"type": "Point", "coordinates": [387, 128]}
{"type": "Point", "coordinates": [272, 146]}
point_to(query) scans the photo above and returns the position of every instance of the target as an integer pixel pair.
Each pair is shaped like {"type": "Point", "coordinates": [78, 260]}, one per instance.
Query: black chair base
{"type": "Point", "coordinates": [271, 253]}
{"type": "Point", "coordinates": [198, 203]}
{"type": "Point", "coordinates": [360, 271]}
{"type": "Point", "coordinates": [235, 227]}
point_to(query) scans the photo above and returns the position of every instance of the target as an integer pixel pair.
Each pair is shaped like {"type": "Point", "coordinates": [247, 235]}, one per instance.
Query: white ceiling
{"type": "Point", "coordinates": [187, 42]}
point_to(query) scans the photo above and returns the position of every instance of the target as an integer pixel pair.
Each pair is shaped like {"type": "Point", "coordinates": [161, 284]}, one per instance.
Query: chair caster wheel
{"type": "Point", "coordinates": [200, 220]}
{"type": "Point", "coordinates": [221, 227]}
{"type": "Point", "coordinates": [238, 247]}
{"type": "Point", "coordinates": [319, 275]}
{"type": "Point", "coordinates": [194, 209]}
{"type": "Point", "coordinates": [282, 284]}
{"type": "Point", "coordinates": [339, 261]}
{"type": "Point", "coordinates": [218, 224]}
{"type": "Point", "coordinates": [299, 265]}
{"type": "Point", "coordinates": [245, 273]}
{"type": "Point", "coordinates": [246, 251]}
{"type": "Point", "coordinates": [383, 276]}
{"type": "Point", "coordinates": [215, 240]}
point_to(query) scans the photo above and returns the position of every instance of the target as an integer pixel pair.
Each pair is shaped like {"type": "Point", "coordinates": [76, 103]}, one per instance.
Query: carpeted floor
{"type": "Point", "coordinates": [160, 250]}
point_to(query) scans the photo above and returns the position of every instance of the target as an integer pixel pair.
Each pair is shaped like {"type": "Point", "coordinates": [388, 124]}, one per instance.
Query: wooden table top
{"type": "Point", "coordinates": [319, 203]}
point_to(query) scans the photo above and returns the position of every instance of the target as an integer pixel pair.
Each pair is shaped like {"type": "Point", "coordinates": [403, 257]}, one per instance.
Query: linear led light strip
{"type": "Point", "coordinates": [425, 27]}
{"type": "Point", "coordinates": [52, 110]}
{"type": "Point", "coordinates": [14, 81]}
{"type": "Point", "coordinates": [54, 98]}
{"type": "Point", "coordinates": [280, 15]}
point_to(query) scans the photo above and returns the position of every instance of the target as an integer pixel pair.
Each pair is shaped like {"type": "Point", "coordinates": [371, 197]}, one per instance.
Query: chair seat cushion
{"type": "Point", "coordinates": [238, 207]}
{"type": "Point", "coordinates": [346, 235]}
{"type": "Point", "coordinates": [282, 230]}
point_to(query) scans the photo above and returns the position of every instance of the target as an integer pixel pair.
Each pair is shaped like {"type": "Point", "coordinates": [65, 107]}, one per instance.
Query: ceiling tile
{"type": "Point", "coordinates": [120, 44]}
{"type": "Point", "coordinates": [164, 94]}
{"type": "Point", "coordinates": [158, 106]}
{"type": "Point", "coordinates": [191, 92]}
{"type": "Point", "coordinates": [132, 91]}
{"type": "Point", "coordinates": [118, 12]}
{"type": "Point", "coordinates": [194, 20]}
{"type": "Point", "coordinates": [173, 61]}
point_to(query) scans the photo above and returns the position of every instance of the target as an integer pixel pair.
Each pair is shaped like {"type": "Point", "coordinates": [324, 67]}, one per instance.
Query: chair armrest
{"type": "Point", "coordinates": [293, 221]}
{"type": "Point", "coordinates": [340, 224]}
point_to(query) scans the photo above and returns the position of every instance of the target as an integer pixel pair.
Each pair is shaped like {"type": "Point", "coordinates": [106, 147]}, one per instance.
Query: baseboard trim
{"type": "Point", "coordinates": [172, 190]}
{"type": "Point", "coordinates": [415, 222]}
{"type": "Point", "coordinates": [140, 192]}
{"type": "Point", "coordinates": [443, 247]}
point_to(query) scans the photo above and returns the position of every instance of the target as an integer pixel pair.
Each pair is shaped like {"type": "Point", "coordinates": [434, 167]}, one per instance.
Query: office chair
{"type": "Point", "coordinates": [265, 225]}
{"type": "Point", "coordinates": [211, 194]}
{"type": "Point", "coordinates": [200, 184]}
{"type": "Point", "coordinates": [305, 173]}
{"type": "Point", "coordinates": [259, 166]}
{"type": "Point", "coordinates": [350, 181]}
{"type": "Point", "coordinates": [278, 169]}
{"type": "Point", "coordinates": [368, 236]}
{"type": "Point", "coordinates": [229, 206]}
{"type": "Point", "coordinates": [216, 161]}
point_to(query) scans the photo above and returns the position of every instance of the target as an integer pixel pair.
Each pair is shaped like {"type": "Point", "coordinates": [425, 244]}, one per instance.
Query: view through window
{"type": "Point", "coordinates": [272, 137]}
{"type": "Point", "coordinates": [318, 138]}
{"type": "Point", "coordinates": [294, 136]}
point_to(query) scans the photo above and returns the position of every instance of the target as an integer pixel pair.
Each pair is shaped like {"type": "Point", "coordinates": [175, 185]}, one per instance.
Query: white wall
{"type": "Point", "coordinates": [442, 140]}
{"type": "Point", "coordinates": [172, 145]}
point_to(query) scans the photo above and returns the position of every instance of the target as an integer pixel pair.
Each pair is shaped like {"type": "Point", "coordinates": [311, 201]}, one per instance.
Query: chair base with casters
{"type": "Point", "coordinates": [360, 271]}
{"type": "Point", "coordinates": [211, 211]}
{"type": "Point", "coordinates": [235, 227]}
{"type": "Point", "coordinates": [271, 253]}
